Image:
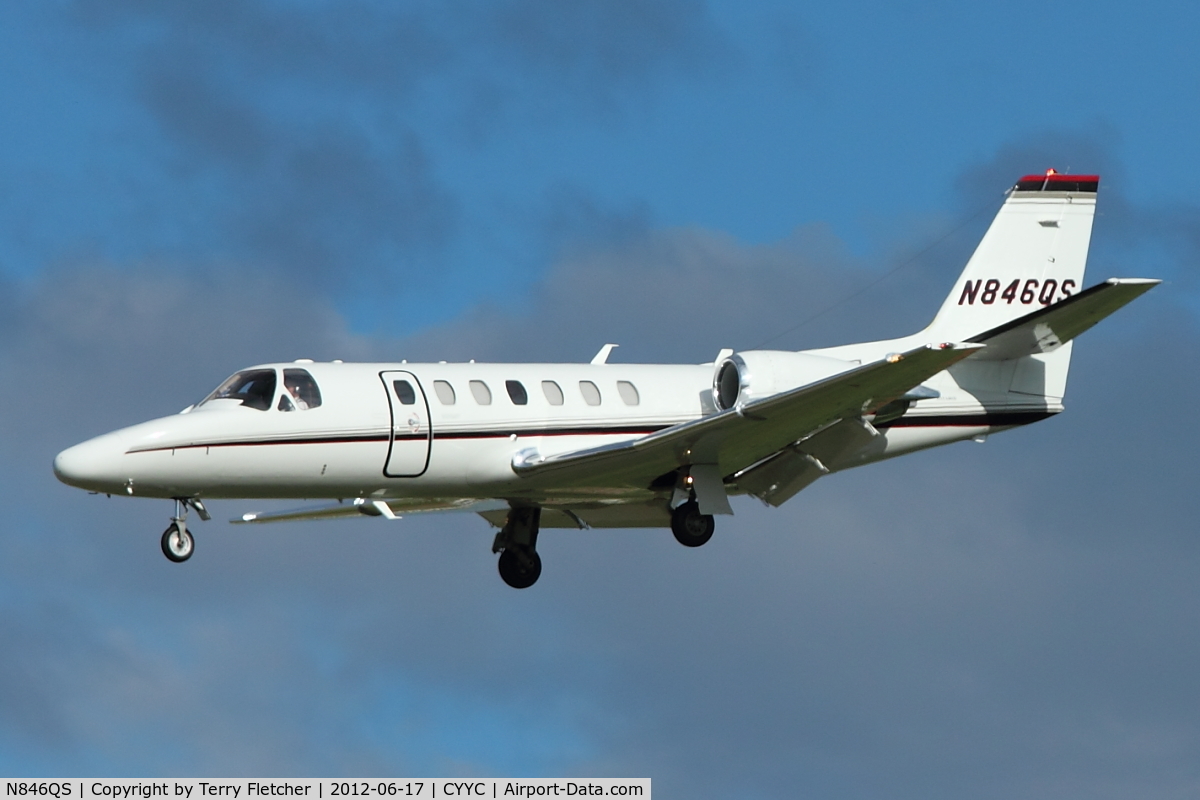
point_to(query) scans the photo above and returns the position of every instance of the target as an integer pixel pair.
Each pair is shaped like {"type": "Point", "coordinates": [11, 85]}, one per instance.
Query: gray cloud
{"type": "Point", "coordinates": [336, 201]}
{"type": "Point", "coordinates": [108, 347]}
{"type": "Point", "coordinates": [1149, 239]}
{"type": "Point", "coordinates": [322, 199]}
{"type": "Point", "coordinates": [356, 46]}
{"type": "Point", "coordinates": [1011, 619]}
{"type": "Point", "coordinates": [680, 295]}
{"type": "Point", "coordinates": [299, 137]}
{"type": "Point", "coordinates": [598, 47]}
{"type": "Point", "coordinates": [283, 136]}
{"type": "Point", "coordinates": [1066, 151]}
{"type": "Point", "coordinates": [206, 121]}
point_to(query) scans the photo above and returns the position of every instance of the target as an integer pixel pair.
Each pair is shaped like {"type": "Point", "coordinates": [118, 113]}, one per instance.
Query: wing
{"type": "Point", "coordinates": [735, 439]}
{"type": "Point", "coordinates": [1053, 326]}
{"type": "Point", "coordinates": [388, 509]}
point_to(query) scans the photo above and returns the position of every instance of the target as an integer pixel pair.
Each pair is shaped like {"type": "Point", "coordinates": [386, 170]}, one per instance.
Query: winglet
{"type": "Point", "coordinates": [602, 356]}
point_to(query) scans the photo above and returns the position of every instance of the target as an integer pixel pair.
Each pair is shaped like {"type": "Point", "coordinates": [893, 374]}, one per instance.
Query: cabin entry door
{"type": "Point", "coordinates": [411, 433]}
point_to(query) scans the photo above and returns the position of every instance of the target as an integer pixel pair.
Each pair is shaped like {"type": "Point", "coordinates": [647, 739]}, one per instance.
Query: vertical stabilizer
{"type": "Point", "coordinates": [1032, 256]}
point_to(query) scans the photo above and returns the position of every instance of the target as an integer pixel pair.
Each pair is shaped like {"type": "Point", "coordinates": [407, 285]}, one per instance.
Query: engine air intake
{"type": "Point", "coordinates": [728, 385]}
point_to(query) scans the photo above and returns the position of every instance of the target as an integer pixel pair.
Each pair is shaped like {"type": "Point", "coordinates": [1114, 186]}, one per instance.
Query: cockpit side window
{"type": "Point", "coordinates": [253, 387]}
{"type": "Point", "coordinates": [302, 388]}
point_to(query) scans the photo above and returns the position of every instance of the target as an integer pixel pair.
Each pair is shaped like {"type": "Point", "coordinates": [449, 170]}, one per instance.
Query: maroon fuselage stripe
{"type": "Point", "coordinates": [439, 435]}
{"type": "Point", "coordinates": [999, 419]}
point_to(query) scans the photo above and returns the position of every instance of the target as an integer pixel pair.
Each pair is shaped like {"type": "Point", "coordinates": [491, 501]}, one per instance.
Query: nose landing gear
{"type": "Point", "coordinates": [177, 542]}
{"type": "Point", "coordinates": [520, 565]}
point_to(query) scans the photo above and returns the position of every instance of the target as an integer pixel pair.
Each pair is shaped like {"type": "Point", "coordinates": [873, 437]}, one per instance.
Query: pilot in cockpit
{"type": "Point", "coordinates": [294, 391]}
{"type": "Point", "coordinates": [302, 392]}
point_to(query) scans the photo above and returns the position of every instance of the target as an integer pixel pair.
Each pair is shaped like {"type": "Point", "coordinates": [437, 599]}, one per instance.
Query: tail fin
{"type": "Point", "coordinates": [1033, 255]}
{"type": "Point", "coordinates": [1021, 294]}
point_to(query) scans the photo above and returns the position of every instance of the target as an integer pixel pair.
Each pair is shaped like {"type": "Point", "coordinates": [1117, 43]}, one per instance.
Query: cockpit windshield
{"type": "Point", "coordinates": [253, 387]}
{"type": "Point", "coordinates": [256, 388]}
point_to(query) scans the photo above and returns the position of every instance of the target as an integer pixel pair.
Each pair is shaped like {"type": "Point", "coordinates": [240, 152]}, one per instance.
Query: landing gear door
{"type": "Point", "coordinates": [411, 433]}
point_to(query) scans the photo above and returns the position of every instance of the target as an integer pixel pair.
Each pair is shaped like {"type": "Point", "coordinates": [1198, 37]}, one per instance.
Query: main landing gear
{"type": "Point", "coordinates": [520, 565]}
{"type": "Point", "coordinates": [177, 541]}
{"type": "Point", "coordinates": [691, 528]}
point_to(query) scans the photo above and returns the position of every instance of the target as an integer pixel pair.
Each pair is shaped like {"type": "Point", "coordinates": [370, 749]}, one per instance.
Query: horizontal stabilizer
{"type": "Point", "coordinates": [1047, 329]}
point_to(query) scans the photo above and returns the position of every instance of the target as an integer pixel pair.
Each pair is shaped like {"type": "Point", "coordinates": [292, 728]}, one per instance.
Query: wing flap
{"type": "Point", "coordinates": [1047, 329]}
{"type": "Point", "coordinates": [780, 477]}
{"type": "Point", "coordinates": [649, 514]}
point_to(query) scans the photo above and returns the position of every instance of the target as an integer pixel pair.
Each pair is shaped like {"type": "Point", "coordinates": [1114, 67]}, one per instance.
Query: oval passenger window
{"type": "Point", "coordinates": [516, 393]}
{"type": "Point", "coordinates": [553, 393]}
{"type": "Point", "coordinates": [444, 392]}
{"type": "Point", "coordinates": [481, 393]}
{"type": "Point", "coordinates": [628, 392]}
{"type": "Point", "coordinates": [591, 395]}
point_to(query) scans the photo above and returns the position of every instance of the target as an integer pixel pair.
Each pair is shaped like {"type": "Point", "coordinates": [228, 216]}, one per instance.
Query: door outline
{"type": "Point", "coordinates": [387, 377]}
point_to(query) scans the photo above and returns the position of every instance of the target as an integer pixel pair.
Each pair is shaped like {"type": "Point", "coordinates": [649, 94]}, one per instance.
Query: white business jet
{"type": "Point", "coordinates": [532, 446]}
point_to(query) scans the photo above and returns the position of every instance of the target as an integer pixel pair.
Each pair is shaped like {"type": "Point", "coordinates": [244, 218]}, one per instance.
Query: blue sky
{"type": "Point", "coordinates": [452, 153]}
{"type": "Point", "coordinates": [186, 189]}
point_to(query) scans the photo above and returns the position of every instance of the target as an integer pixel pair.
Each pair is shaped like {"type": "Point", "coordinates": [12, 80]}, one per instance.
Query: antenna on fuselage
{"type": "Point", "coordinates": [602, 356]}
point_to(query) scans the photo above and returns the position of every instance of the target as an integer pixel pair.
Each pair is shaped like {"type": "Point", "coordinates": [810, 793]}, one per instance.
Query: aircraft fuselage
{"type": "Point", "coordinates": [364, 441]}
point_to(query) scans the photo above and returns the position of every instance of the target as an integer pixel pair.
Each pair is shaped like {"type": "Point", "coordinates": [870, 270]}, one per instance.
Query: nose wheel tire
{"type": "Point", "coordinates": [519, 567]}
{"type": "Point", "coordinates": [177, 543]}
{"type": "Point", "coordinates": [691, 528]}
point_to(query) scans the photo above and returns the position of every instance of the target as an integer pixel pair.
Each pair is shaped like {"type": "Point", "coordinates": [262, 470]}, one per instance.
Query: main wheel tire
{"type": "Point", "coordinates": [691, 528]}
{"type": "Point", "coordinates": [520, 570]}
{"type": "Point", "coordinates": [177, 543]}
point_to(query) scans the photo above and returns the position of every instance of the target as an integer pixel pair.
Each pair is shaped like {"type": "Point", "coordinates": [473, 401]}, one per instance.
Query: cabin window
{"type": "Point", "coordinates": [517, 393]}
{"type": "Point", "coordinates": [255, 388]}
{"type": "Point", "coordinates": [404, 393]}
{"type": "Point", "coordinates": [481, 393]}
{"type": "Point", "coordinates": [591, 395]}
{"type": "Point", "coordinates": [302, 388]}
{"type": "Point", "coordinates": [285, 404]}
{"type": "Point", "coordinates": [444, 392]}
{"type": "Point", "coordinates": [553, 393]}
{"type": "Point", "coordinates": [628, 392]}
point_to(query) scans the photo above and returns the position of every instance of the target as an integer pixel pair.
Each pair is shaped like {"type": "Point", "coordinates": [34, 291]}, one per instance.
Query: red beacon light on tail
{"type": "Point", "coordinates": [1055, 181]}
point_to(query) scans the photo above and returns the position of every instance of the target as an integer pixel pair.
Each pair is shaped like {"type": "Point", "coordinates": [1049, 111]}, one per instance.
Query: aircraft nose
{"type": "Point", "coordinates": [93, 465]}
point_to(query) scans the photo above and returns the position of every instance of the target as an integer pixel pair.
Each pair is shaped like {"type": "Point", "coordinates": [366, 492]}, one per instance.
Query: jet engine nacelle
{"type": "Point", "coordinates": [754, 374]}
